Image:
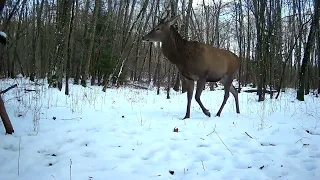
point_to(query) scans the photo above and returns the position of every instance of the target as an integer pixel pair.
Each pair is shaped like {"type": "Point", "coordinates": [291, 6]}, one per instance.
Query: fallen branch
{"type": "Point", "coordinates": [267, 144]}
{"type": "Point", "coordinates": [69, 119]}
{"type": "Point", "coordinates": [29, 90]}
{"type": "Point", "coordinates": [6, 90]}
{"type": "Point", "coordinates": [138, 86]}
{"type": "Point", "coordinates": [248, 135]}
{"type": "Point", "coordinates": [266, 91]}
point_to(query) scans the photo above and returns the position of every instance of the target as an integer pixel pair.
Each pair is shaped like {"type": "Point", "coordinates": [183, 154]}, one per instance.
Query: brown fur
{"type": "Point", "coordinates": [197, 62]}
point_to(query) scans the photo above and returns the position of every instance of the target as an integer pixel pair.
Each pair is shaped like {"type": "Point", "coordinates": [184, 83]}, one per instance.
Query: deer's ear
{"type": "Point", "coordinates": [173, 20]}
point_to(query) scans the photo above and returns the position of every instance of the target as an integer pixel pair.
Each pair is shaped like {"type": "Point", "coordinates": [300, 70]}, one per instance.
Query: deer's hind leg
{"type": "Point", "coordinates": [235, 95]}
{"type": "Point", "coordinates": [200, 85]}
{"type": "Point", "coordinates": [226, 81]}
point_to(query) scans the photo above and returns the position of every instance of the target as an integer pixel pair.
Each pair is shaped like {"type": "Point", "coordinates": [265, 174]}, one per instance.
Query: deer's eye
{"type": "Point", "coordinates": [157, 29]}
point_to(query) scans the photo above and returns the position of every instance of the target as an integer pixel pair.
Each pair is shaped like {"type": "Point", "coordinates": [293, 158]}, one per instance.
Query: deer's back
{"type": "Point", "coordinates": [203, 56]}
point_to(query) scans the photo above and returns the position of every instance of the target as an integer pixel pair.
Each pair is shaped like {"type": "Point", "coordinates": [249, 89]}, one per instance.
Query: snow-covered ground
{"type": "Point", "coordinates": [127, 133]}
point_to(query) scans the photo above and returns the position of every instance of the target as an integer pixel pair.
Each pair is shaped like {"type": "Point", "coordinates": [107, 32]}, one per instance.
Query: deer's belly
{"type": "Point", "coordinates": [189, 75]}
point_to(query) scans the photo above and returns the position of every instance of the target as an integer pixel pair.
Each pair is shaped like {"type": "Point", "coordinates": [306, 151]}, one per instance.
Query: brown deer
{"type": "Point", "coordinates": [197, 62]}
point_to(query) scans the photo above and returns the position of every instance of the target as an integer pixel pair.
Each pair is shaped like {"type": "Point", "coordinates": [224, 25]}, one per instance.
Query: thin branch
{"type": "Point", "coordinates": [214, 131]}
{"type": "Point", "coordinates": [9, 88]}
{"type": "Point", "coordinates": [223, 142]}
{"type": "Point", "coordinates": [19, 156]}
{"type": "Point", "coordinates": [203, 166]}
{"type": "Point", "coordinates": [248, 135]}
{"type": "Point", "coordinates": [70, 168]}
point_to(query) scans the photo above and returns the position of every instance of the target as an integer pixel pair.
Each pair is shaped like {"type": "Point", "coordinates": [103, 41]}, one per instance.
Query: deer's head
{"type": "Point", "coordinates": [161, 31]}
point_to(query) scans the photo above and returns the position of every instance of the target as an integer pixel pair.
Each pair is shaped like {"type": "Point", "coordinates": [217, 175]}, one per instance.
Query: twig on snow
{"type": "Point", "coordinates": [223, 142]}
{"type": "Point", "coordinates": [248, 135]}
{"type": "Point", "coordinates": [70, 168]}
{"type": "Point", "coordinates": [6, 90]}
{"type": "Point", "coordinates": [155, 176]}
{"type": "Point", "coordinates": [203, 166]}
{"type": "Point", "coordinates": [30, 90]}
{"type": "Point", "coordinates": [19, 156]}
{"type": "Point", "coordinates": [71, 119]}
{"type": "Point", "coordinates": [300, 140]}
{"type": "Point", "coordinates": [214, 131]}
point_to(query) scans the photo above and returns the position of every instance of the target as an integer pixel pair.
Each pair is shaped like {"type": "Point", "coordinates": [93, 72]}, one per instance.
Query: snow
{"type": "Point", "coordinates": [127, 133]}
{"type": "Point", "coordinates": [3, 34]}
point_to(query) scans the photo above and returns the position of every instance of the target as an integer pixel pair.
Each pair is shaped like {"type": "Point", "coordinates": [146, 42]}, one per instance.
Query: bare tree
{"type": "Point", "coordinates": [308, 48]}
{"type": "Point", "coordinates": [240, 35]}
{"type": "Point", "coordinates": [69, 49]}
{"type": "Point", "coordinates": [3, 113]}
{"type": "Point", "coordinates": [259, 14]}
{"type": "Point", "coordinates": [318, 50]}
{"type": "Point", "coordinates": [91, 39]}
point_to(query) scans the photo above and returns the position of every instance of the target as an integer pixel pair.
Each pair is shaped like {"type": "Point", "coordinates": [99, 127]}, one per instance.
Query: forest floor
{"type": "Point", "coordinates": [127, 133]}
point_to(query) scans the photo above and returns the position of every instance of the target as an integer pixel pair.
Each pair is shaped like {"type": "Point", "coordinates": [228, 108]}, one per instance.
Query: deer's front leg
{"type": "Point", "coordinates": [190, 87]}
{"type": "Point", "coordinates": [200, 85]}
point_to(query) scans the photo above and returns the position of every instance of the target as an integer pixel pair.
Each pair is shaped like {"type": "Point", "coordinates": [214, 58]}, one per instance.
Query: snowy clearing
{"type": "Point", "coordinates": [127, 133]}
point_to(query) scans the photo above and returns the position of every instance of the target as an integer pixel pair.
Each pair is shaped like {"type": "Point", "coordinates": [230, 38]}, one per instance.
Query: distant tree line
{"type": "Point", "coordinates": [99, 42]}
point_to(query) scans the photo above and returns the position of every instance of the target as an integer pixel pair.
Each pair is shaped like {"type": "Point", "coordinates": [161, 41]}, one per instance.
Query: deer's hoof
{"type": "Point", "coordinates": [207, 113]}
{"type": "Point", "coordinates": [186, 117]}
{"type": "Point", "coordinates": [218, 115]}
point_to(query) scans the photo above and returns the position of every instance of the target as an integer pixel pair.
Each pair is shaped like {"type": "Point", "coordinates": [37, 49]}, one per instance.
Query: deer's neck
{"type": "Point", "coordinates": [173, 46]}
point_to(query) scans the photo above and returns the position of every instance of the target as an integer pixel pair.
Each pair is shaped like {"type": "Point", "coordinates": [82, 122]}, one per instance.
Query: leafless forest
{"type": "Point", "coordinates": [99, 42]}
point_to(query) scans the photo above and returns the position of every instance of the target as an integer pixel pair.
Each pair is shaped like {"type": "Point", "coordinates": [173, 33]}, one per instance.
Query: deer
{"type": "Point", "coordinates": [198, 62]}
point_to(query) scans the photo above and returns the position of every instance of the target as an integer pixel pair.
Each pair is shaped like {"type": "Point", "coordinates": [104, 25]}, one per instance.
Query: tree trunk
{"type": "Point", "coordinates": [169, 80]}
{"type": "Point", "coordinates": [261, 49]}
{"type": "Point", "coordinates": [318, 49]}
{"type": "Point", "coordinates": [34, 45]}
{"type": "Point", "coordinates": [91, 42]}
{"type": "Point", "coordinates": [69, 49]}
{"type": "Point", "coordinates": [179, 78]}
{"type": "Point", "coordinates": [239, 33]}
{"type": "Point", "coordinates": [248, 60]}
{"type": "Point", "coordinates": [150, 62]}
{"type": "Point", "coordinates": [5, 118]}
{"type": "Point", "coordinates": [307, 52]}
{"type": "Point", "coordinates": [82, 65]}
{"type": "Point", "coordinates": [3, 113]}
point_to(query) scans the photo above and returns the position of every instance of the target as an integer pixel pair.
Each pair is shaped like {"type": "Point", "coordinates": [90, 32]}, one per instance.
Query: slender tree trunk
{"type": "Point", "coordinates": [69, 49]}
{"type": "Point", "coordinates": [3, 113]}
{"type": "Point", "coordinates": [261, 49]}
{"type": "Point", "coordinates": [169, 80]}
{"type": "Point", "coordinates": [185, 35]}
{"type": "Point", "coordinates": [5, 118]}
{"type": "Point", "coordinates": [239, 32]}
{"type": "Point", "coordinates": [34, 40]}
{"type": "Point", "coordinates": [39, 35]}
{"type": "Point", "coordinates": [307, 52]}
{"type": "Point", "coordinates": [91, 42]}
{"type": "Point", "coordinates": [248, 61]}
{"type": "Point", "coordinates": [149, 63]}
{"type": "Point", "coordinates": [78, 64]}
{"type": "Point", "coordinates": [318, 50]}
